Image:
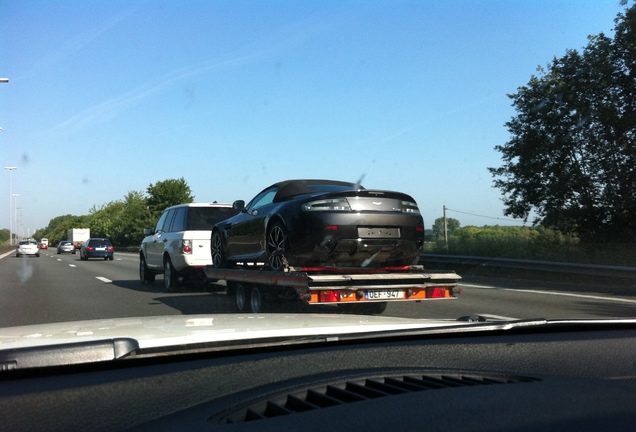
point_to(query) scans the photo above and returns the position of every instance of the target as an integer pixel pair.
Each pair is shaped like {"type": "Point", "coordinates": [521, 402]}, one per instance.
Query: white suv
{"type": "Point", "coordinates": [179, 245]}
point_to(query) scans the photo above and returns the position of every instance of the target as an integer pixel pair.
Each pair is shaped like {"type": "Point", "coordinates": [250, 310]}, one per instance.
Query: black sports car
{"type": "Point", "coordinates": [320, 223]}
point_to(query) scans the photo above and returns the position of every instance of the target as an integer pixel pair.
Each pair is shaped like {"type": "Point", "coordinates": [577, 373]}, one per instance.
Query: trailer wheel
{"type": "Point", "coordinates": [241, 297]}
{"type": "Point", "coordinates": [230, 288]}
{"type": "Point", "coordinates": [256, 299]}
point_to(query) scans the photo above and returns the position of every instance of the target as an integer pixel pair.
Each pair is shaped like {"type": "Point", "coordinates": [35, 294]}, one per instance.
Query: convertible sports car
{"type": "Point", "coordinates": [320, 223]}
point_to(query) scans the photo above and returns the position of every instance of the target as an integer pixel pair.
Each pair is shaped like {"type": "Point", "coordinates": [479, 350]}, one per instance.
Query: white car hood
{"type": "Point", "coordinates": [166, 331]}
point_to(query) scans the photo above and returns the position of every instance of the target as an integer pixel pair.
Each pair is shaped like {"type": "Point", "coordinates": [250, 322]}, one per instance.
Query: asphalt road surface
{"type": "Point", "coordinates": [58, 288]}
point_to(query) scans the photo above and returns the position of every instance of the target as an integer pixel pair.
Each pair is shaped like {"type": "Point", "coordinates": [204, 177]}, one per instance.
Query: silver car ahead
{"type": "Point", "coordinates": [27, 247]}
{"type": "Point", "coordinates": [65, 246]}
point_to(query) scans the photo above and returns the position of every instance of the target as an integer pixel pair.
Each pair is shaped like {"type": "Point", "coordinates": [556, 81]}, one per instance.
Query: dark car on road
{"type": "Point", "coordinates": [97, 248]}
{"type": "Point", "coordinates": [320, 223]}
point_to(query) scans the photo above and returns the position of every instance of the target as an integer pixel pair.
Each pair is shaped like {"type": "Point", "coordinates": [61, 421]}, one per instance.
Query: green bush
{"type": "Point", "coordinates": [532, 243]}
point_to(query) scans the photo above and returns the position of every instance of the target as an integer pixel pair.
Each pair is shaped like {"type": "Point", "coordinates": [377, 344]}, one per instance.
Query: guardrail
{"type": "Point", "coordinates": [541, 266]}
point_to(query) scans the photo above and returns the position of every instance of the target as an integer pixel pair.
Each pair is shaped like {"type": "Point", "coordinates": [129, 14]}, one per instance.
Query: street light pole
{"type": "Point", "coordinates": [6, 80]}
{"type": "Point", "coordinates": [15, 216]}
{"type": "Point", "coordinates": [10, 169]}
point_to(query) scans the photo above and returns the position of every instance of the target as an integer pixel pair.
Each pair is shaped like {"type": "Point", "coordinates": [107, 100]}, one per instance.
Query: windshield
{"type": "Point", "coordinates": [493, 141]}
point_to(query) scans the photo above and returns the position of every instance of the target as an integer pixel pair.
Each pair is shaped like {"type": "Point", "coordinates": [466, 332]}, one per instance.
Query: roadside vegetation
{"type": "Point", "coordinates": [523, 242]}
{"type": "Point", "coordinates": [121, 221]}
{"type": "Point", "coordinates": [571, 158]}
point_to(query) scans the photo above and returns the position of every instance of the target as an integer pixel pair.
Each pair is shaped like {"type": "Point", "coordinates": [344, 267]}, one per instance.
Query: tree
{"type": "Point", "coordinates": [572, 153]}
{"type": "Point", "coordinates": [122, 221]}
{"type": "Point", "coordinates": [4, 236]}
{"type": "Point", "coordinates": [452, 225]}
{"type": "Point", "coordinates": [58, 227]}
{"type": "Point", "coordinates": [134, 217]}
{"type": "Point", "coordinates": [167, 193]}
{"type": "Point", "coordinates": [104, 220]}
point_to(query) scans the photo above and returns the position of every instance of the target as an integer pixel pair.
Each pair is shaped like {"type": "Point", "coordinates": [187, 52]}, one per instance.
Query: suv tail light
{"type": "Point", "coordinates": [186, 247]}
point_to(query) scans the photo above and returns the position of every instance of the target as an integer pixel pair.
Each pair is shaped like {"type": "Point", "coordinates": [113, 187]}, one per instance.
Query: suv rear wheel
{"type": "Point", "coordinates": [146, 276]}
{"type": "Point", "coordinates": [170, 275]}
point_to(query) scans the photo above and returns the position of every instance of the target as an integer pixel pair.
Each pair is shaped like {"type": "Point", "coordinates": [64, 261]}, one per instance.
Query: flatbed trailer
{"type": "Point", "coordinates": [358, 290]}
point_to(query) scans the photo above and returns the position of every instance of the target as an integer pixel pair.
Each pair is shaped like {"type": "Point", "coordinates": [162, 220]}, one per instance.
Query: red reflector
{"type": "Point", "coordinates": [331, 228]}
{"type": "Point", "coordinates": [329, 296]}
{"type": "Point", "coordinates": [435, 293]}
{"type": "Point", "coordinates": [419, 229]}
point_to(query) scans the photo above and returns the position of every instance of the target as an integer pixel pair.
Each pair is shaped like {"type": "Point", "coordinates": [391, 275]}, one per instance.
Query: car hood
{"type": "Point", "coordinates": [168, 331]}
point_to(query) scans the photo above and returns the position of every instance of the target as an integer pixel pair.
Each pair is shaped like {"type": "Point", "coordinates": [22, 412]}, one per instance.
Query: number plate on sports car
{"type": "Point", "coordinates": [384, 294]}
{"type": "Point", "coordinates": [369, 232]}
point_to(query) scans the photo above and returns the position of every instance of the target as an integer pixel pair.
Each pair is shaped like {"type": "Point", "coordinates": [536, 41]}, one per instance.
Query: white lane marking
{"type": "Point", "coordinates": [7, 254]}
{"type": "Point", "coordinates": [585, 296]}
{"type": "Point", "coordinates": [72, 265]}
{"type": "Point", "coordinates": [103, 279]}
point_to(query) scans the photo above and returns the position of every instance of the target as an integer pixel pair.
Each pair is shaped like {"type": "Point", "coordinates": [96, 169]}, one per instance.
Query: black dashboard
{"type": "Point", "coordinates": [565, 379]}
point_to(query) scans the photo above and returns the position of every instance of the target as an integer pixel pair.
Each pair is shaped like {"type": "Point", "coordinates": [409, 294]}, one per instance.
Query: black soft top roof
{"type": "Point", "coordinates": [290, 188]}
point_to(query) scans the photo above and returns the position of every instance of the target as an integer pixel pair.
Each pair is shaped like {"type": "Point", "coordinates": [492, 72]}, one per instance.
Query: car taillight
{"type": "Point", "coordinates": [110, 248]}
{"type": "Point", "coordinates": [335, 204]}
{"type": "Point", "coordinates": [187, 247]}
{"type": "Point", "coordinates": [90, 249]}
{"type": "Point", "coordinates": [410, 207]}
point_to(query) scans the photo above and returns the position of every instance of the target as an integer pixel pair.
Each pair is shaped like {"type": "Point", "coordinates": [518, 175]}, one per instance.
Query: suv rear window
{"type": "Point", "coordinates": [204, 218]}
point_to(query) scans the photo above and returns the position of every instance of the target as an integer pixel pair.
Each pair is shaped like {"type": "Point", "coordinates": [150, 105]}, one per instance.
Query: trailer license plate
{"type": "Point", "coordinates": [384, 294]}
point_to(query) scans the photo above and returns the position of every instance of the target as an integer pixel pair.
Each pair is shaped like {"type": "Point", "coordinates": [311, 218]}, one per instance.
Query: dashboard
{"type": "Point", "coordinates": [566, 379]}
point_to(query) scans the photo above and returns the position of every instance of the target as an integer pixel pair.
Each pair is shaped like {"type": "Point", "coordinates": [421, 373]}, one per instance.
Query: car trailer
{"type": "Point", "coordinates": [358, 290]}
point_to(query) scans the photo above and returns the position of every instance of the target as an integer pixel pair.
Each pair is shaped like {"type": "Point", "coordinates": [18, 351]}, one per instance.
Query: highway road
{"type": "Point", "coordinates": [57, 288]}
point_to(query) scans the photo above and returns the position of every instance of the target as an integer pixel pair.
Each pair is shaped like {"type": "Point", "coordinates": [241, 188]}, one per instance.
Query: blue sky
{"type": "Point", "coordinates": [107, 97]}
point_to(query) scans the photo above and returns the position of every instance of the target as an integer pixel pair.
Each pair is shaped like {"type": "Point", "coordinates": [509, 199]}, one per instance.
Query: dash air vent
{"type": "Point", "coordinates": [351, 391]}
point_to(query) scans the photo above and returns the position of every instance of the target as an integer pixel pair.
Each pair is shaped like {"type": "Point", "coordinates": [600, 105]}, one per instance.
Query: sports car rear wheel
{"type": "Point", "coordinates": [276, 247]}
{"type": "Point", "coordinates": [216, 250]}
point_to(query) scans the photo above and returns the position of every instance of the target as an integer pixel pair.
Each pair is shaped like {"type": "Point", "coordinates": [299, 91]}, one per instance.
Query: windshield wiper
{"type": "Point", "coordinates": [67, 354]}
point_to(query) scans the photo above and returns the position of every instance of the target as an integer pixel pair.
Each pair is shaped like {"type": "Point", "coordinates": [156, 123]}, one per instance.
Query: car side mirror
{"type": "Point", "coordinates": [239, 205]}
{"type": "Point", "coordinates": [147, 231]}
